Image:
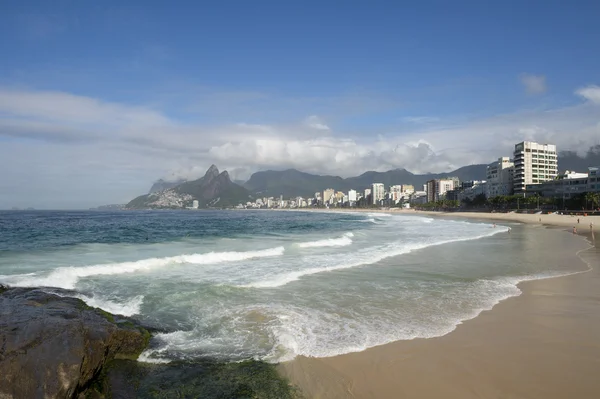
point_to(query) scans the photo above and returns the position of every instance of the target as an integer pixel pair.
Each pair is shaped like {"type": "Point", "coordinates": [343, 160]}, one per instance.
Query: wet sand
{"type": "Point", "coordinates": [544, 343]}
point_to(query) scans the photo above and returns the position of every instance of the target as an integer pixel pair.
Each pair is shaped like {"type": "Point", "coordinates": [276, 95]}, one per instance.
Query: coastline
{"type": "Point", "coordinates": [540, 344]}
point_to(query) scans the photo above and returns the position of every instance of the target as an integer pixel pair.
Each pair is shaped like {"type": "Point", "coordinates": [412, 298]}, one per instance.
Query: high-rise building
{"type": "Point", "coordinates": [367, 192]}
{"type": "Point", "coordinates": [352, 195]}
{"type": "Point", "coordinates": [437, 189]}
{"type": "Point", "coordinates": [500, 176]}
{"type": "Point", "coordinates": [396, 193]}
{"type": "Point", "coordinates": [195, 204]}
{"type": "Point", "coordinates": [534, 163]}
{"type": "Point", "coordinates": [327, 194]}
{"type": "Point", "coordinates": [378, 192]}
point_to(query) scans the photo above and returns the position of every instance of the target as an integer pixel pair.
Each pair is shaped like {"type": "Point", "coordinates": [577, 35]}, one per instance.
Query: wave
{"type": "Point", "coordinates": [129, 308]}
{"type": "Point", "coordinates": [369, 220]}
{"type": "Point", "coordinates": [342, 241]}
{"type": "Point", "coordinates": [67, 277]}
{"type": "Point", "coordinates": [378, 215]}
{"type": "Point", "coordinates": [368, 259]}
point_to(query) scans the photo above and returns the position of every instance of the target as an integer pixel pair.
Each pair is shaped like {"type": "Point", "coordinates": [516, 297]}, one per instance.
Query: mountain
{"type": "Point", "coordinates": [292, 183]}
{"type": "Point", "coordinates": [568, 160]}
{"type": "Point", "coordinates": [161, 185]}
{"type": "Point", "coordinates": [214, 189]}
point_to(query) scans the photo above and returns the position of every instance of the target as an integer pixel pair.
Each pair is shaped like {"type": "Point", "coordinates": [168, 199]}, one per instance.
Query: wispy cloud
{"type": "Point", "coordinates": [534, 84]}
{"type": "Point", "coordinates": [315, 122]}
{"type": "Point", "coordinates": [590, 93]}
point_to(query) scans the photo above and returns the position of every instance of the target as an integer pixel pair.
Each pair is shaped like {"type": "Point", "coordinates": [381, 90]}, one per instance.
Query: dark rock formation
{"type": "Point", "coordinates": [54, 347]}
{"type": "Point", "coordinates": [196, 379]}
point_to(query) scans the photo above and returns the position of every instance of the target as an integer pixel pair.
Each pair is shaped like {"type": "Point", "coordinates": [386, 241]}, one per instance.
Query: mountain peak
{"type": "Point", "coordinates": [225, 175]}
{"type": "Point", "coordinates": [212, 172]}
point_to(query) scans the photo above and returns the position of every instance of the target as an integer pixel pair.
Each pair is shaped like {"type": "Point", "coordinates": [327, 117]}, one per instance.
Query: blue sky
{"type": "Point", "coordinates": [121, 94]}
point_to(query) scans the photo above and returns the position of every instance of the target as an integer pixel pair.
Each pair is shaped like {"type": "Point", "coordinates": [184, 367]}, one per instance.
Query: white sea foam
{"type": "Point", "coordinates": [129, 308]}
{"type": "Point", "coordinates": [379, 215]}
{"type": "Point", "coordinates": [366, 258]}
{"type": "Point", "coordinates": [342, 241]}
{"type": "Point", "coordinates": [67, 277]}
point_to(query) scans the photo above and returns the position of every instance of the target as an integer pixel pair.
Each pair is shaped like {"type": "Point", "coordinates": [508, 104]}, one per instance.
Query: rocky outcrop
{"type": "Point", "coordinates": [54, 347]}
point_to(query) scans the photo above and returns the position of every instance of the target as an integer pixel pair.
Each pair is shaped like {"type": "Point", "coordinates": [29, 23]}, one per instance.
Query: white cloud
{"type": "Point", "coordinates": [590, 93]}
{"type": "Point", "coordinates": [79, 150]}
{"type": "Point", "coordinates": [534, 84]}
{"type": "Point", "coordinates": [315, 122]}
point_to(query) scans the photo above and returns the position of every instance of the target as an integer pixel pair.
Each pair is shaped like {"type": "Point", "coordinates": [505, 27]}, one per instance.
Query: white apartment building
{"type": "Point", "coordinates": [367, 192]}
{"type": "Point", "coordinates": [500, 175]}
{"type": "Point", "coordinates": [352, 195]}
{"type": "Point", "coordinates": [378, 193]}
{"type": "Point", "coordinates": [396, 193]}
{"type": "Point", "coordinates": [534, 163]}
{"type": "Point", "coordinates": [195, 204]}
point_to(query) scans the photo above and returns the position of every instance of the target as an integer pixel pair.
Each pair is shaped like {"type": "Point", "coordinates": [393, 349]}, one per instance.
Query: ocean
{"type": "Point", "coordinates": [269, 285]}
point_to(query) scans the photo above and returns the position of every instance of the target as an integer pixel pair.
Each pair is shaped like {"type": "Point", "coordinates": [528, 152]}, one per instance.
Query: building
{"type": "Point", "coordinates": [566, 186]}
{"type": "Point", "coordinates": [472, 189]}
{"type": "Point", "coordinates": [500, 177]}
{"type": "Point", "coordinates": [378, 193]}
{"type": "Point", "coordinates": [327, 194]}
{"type": "Point", "coordinates": [408, 189]}
{"type": "Point", "coordinates": [195, 204]}
{"type": "Point", "coordinates": [396, 193]}
{"type": "Point", "coordinates": [534, 163]}
{"type": "Point", "coordinates": [352, 196]}
{"type": "Point", "coordinates": [594, 179]}
{"type": "Point", "coordinates": [437, 189]}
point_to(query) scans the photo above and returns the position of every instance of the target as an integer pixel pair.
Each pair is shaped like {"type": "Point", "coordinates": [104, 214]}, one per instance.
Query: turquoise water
{"type": "Point", "coordinates": [273, 285]}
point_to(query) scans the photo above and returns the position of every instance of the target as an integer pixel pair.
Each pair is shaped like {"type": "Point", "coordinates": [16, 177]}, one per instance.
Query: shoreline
{"type": "Point", "coordinates": [468, 362]}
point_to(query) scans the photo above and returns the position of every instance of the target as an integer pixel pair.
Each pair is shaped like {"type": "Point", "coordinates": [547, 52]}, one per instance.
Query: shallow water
{"type": "Point", "coordinates": [273, 285]}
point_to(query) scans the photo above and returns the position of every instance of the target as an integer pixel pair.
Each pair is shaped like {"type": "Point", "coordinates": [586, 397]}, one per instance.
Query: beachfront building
{"type": "Point", "coordinates": [396, 193]}
{"type": "Point", "coordinates": [378, 193]}
{"type": "Point", "coordinates": [436, 189]}
{"type": "Point", "coordinates": [471, 189]}
{"type": "Point", "coordinates": [534, 164]}
{"type": "Point", "coordinates": [352, 196]}
{"type": "Point", "coordinates": [594, 179]}
{"type": "Point", "coordinates": [327, 194]}
{"type": "Point", "coordinates": [500, 177]}
{"type": "Point", "coordinates": [566, 186]}
{"type": "Point", "coordinates": [408, 189]}
{"type": "Point", "coordinates": [367, 192]}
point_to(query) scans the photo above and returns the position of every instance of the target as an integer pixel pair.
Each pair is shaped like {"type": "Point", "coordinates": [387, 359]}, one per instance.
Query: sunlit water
{"type": "Point", "coordinates": [273, 285]}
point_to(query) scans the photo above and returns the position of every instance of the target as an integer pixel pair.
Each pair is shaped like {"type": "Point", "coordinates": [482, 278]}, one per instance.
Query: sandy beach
{"type": "Point", "coordinates": [541, 344]}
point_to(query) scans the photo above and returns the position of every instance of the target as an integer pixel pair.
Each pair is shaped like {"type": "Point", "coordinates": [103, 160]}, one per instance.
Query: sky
{"type": "Point", "coordinates": [100, 99]}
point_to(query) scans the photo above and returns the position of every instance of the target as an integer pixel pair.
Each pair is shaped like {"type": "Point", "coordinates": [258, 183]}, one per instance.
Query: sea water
{"type": "Point", "coordinates": [272, 285]}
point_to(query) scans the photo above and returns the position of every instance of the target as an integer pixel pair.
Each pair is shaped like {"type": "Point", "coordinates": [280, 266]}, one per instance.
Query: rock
{"type": "Point", "coordinates": [54, 347]}
{"type": "Point", "coordinates": [207, 379]}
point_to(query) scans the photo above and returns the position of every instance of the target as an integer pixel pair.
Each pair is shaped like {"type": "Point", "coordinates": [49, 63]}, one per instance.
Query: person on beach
{"type": "Point", "coordinates": [494, 225]}
{"type": "Point", "coordinates": [577, 220]}
{"type": "Point", "coordinates": [574, 230]}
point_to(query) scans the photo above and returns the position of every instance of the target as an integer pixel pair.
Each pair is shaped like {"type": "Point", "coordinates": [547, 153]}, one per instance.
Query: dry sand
{"type": "Point", "coordinates": [544, 343]}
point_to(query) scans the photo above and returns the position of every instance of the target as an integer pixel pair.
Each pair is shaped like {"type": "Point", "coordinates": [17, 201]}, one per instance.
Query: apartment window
{"type": "Point", "coordinates": [527, 150]}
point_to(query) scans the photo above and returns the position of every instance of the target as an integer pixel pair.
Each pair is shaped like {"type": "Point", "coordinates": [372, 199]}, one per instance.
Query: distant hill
{"type": "Point", "coordinates": [568, 160]}
{"type": "Point", "coordinates": [292, 183]}
{"type": "Point", "coordinates": [214, 189]}
{"type": "Point", "coordinates": [161, 185]}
